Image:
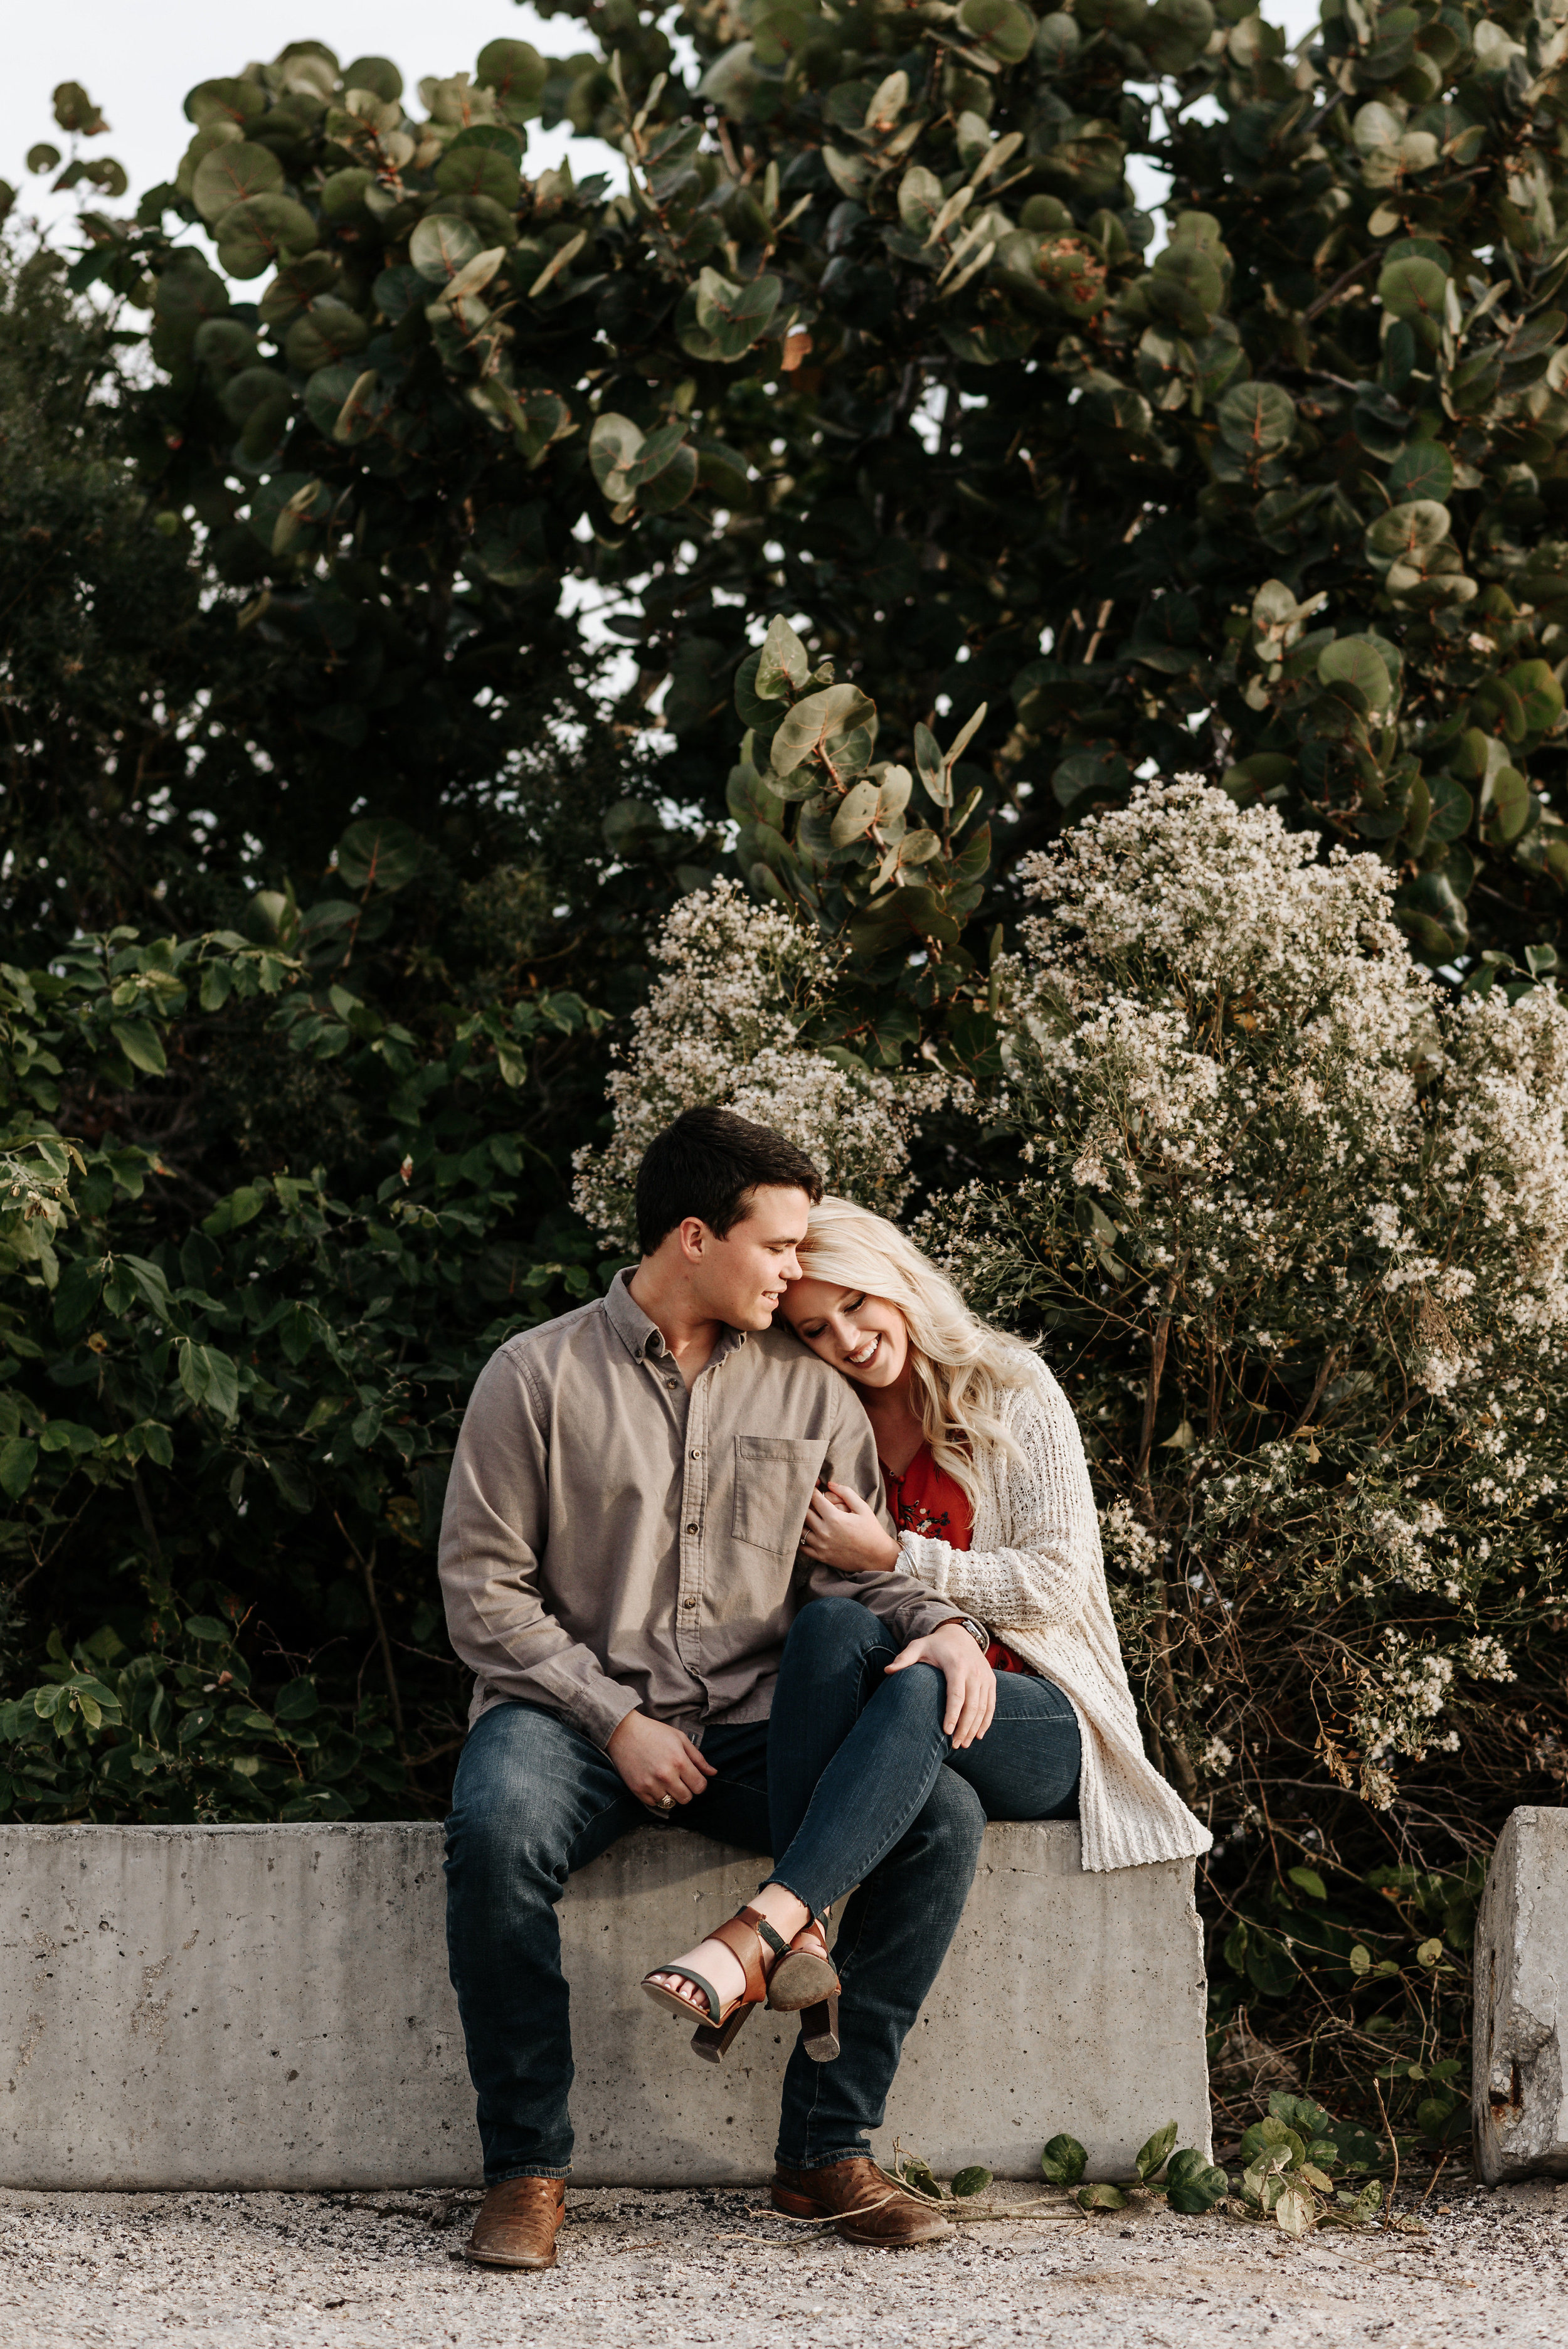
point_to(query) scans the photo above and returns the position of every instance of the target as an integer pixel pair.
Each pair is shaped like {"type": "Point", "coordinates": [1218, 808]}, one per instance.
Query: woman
{"type": "Point", "coordinates": [987, 1487]}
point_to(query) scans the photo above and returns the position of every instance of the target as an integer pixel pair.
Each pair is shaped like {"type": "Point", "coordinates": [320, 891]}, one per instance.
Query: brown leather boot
{"type": "Point", "coordinates": [870, 2209]}
{"type": "Point", "coordinates": [515, 2225]}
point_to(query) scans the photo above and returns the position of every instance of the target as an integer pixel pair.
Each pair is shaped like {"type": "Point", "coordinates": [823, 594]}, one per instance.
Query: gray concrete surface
{"type": "Point", "coordinates": [641, 2270]}
{"type": "Point", "coordinates": [268, 2007]}
{"type": "Point", "coordinates": [1521, 1976]}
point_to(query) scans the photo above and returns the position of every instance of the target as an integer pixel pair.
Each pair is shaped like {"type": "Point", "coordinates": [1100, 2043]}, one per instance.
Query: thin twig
{"type": "Point", "coordinates": [1436, 2173]}
{"type": "Point", "coordinates": [1338, 286]}
{"type": "Point", "coordinates": [1394, 2142]}
{"type": "Point", "coordinates": [368, 1567]}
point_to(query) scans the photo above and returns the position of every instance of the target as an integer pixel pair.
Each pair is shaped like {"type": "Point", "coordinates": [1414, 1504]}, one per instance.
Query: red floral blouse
{"type": "Point", "coordinates": [926, 1500]}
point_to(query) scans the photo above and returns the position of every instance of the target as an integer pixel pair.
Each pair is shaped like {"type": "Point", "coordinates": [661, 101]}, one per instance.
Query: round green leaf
{"type": "Point", "coordinates": [1356, 660]}
{"type": "Point", "coordinates": [224, 101]}
{"type": "Point", "coordinates": [377, 75]}
{"type": "Point", "coordinates": [257, 235]}
{"type": "Point", "coordinates": [231, 173]}
{"type": "Point", "coordinates": [973, 2180]}
{"type": "Point", "coordinates": [1175, 33]}
{"type": "Point", "coordinates": [999, 25]}
{"type": "Point", "coordinates": [1423, 470]}
{"type": "Point", "coordinates": [613, 446]}
{"type": "Point", "coordinates": [324, 394]}
{"type": "Point", "coordinates": [1506, 804]}
{"type": "Point", "coordinates": [343, 193]}
{"type": "Point", "coordinates": [516, 72]}
{"type": "Point", "coordinates": [1056, 43]}
{"type": "Point", "coordinates": [1540, 695]}
{"type": "Point", "coordinates": [1256, 419]}
{"type": "Point", "coordinates": [375, 854]}
{"type": "Point", "coordinates": [223, 345]}
{"type": "Point", "coordinates": [672, 485]}
{"type": "Point", "coordinates": [1453, 810]}
{"type": "Point", "coordinates": [328, 331]}
{"type": "Point", "coordinates": [441, 245]}
{"type": "Point", "coordinates": [1407, 532]}
{"type": "Point", "coordinates": [254, 388]}
{"type": "Point", "coordinates": [478, 172]}
{"type": "Point", "coordinates": [1414, 289]}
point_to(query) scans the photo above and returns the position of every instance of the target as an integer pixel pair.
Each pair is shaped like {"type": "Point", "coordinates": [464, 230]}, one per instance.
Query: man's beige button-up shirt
{"type": "Point", "coordinates": [613, 1542]}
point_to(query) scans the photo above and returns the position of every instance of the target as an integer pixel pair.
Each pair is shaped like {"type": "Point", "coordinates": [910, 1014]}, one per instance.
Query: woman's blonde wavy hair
{"type": "Point", "coordinates": [962, 1367]}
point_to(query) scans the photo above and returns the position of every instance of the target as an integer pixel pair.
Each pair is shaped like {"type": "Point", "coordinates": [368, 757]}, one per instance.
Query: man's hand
{"type": "Point", "coordinates": [841, 1531]}
{"type": "Point", "coordinates": [971, 1682]}
{"type": "Point", "coordinates": [655, 1760]}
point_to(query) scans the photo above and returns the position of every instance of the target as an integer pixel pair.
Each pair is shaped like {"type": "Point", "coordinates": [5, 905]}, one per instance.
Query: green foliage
{"type": "Point", "coordinates": [876, 334]}
{"type": "Point", "coordinates": [183, 1731]}
{"type": "Point", "coordinates": [265, 1380]}
{"type": "Point", "coordinates": [1370, 1981]}
{"type": "Point", "coordinates": [1294, 2158]}
{"type": "Point", "coordinates": [1189, 2182]}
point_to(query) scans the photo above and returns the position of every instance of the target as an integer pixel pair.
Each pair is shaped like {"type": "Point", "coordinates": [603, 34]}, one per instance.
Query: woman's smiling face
{"type": "Point", "coordinates": [864, 1337]}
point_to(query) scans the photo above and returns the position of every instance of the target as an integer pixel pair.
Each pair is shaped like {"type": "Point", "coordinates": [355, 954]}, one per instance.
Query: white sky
{"type": "Point", "coordinates": [138, 62]}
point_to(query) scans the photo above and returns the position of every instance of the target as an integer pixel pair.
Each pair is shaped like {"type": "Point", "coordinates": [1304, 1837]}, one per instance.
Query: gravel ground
{"type": "Point", "coordinates": [639, 2269]}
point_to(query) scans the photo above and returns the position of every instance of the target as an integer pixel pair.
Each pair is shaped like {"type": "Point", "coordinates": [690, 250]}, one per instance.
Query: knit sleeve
{"type": "Point", "coordinates": [1041, 1580]}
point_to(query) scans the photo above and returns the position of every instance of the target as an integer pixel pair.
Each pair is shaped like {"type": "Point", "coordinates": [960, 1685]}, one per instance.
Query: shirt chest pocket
{"type": "Point", "coordinates": [774, 1475]}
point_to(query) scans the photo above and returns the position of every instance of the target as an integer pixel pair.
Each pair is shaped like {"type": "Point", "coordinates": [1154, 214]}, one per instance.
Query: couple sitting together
{"type": "Point", "coordinates": [779, 1541]}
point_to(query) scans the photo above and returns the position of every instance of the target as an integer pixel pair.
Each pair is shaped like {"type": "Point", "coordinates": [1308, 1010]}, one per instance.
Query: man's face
{"type": "Point", "coordinates": [741, 1278]}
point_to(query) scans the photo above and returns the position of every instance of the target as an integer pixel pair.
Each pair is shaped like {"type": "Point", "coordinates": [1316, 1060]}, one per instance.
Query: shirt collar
{"type": "Point", "coordinates": [642, 1337]}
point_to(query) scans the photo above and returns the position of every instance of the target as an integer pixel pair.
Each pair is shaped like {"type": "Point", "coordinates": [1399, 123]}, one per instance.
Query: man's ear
{"type": "Point", "coordinates": [694, 1236]}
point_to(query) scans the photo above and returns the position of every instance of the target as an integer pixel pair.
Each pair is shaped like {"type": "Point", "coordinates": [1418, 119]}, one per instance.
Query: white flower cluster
{"type": "Point", "coordinates": [1249, 1120]}
{"type": "Point", "coordinates": [721, 1026]}
{"type": "Point", "coordinates": [1129, 1546]}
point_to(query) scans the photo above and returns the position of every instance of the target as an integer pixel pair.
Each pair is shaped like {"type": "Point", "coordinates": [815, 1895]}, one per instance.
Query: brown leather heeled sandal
{"type": "Point", "coordinates": [746, 1936]}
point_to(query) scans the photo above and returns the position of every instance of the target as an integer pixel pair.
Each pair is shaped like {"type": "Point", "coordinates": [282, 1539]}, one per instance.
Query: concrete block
{"type": "Point", "coordinates": [268, 2006]}
{"type": "Point", "coordinates": [1521, 1982]}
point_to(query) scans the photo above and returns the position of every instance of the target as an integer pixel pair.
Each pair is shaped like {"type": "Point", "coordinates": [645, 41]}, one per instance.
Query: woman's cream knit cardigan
{"type": "Point", "coordinates": [1035, 1577]}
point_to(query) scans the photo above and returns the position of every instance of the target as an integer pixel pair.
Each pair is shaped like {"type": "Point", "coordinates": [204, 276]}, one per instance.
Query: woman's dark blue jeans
{"type": "Point", "coordinates": [852, 1783]}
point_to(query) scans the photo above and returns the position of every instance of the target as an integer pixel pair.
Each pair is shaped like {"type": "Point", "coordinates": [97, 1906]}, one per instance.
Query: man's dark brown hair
{"type": "Point", "coordinates": [708, 1163]}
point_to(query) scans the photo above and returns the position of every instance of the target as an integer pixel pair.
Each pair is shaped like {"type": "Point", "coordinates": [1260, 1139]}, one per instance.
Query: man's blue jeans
{"type": "Point", "coordinates": [851, 1781]}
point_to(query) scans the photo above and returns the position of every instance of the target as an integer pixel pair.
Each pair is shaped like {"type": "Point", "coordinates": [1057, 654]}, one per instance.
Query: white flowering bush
{"type": "Point", "coordinates": [729, 1021]}
{"type": "Point", "coordinates": [1297, 1215]}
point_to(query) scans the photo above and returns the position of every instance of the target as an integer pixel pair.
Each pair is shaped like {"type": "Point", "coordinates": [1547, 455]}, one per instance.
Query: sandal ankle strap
{"type": "Point", "coordinates": [764, 1932]}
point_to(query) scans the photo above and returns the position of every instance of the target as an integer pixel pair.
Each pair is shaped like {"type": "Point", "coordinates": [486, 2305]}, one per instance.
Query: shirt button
{"type": "Point", "coordinates": [696, 1455]}
{"type": "Point", "coordinates": [691, 1529]}
{"type": "Point", "coordinates": [688, 1602]}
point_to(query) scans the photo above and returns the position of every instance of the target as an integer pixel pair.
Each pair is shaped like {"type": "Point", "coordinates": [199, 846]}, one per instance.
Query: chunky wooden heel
{"type": "Point", "coordinates": [714, 2045]}
{"type": "Point", "coordinates": [819, 2029]}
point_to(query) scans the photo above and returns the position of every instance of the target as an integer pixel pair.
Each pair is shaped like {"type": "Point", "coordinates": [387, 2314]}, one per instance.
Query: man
{"type": "Point", "coordinates": [620, 1563]}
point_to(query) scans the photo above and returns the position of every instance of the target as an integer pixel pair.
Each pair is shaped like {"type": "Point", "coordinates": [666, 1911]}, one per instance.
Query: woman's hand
{"type": "Point", "coordinates": [971, 1682]}
{"type": "Point", "coordinates": [841, 1531]}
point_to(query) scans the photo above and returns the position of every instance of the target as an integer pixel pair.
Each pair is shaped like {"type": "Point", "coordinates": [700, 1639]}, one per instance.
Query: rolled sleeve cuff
{"type": "Point", "coordinates": [598, 1711]}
